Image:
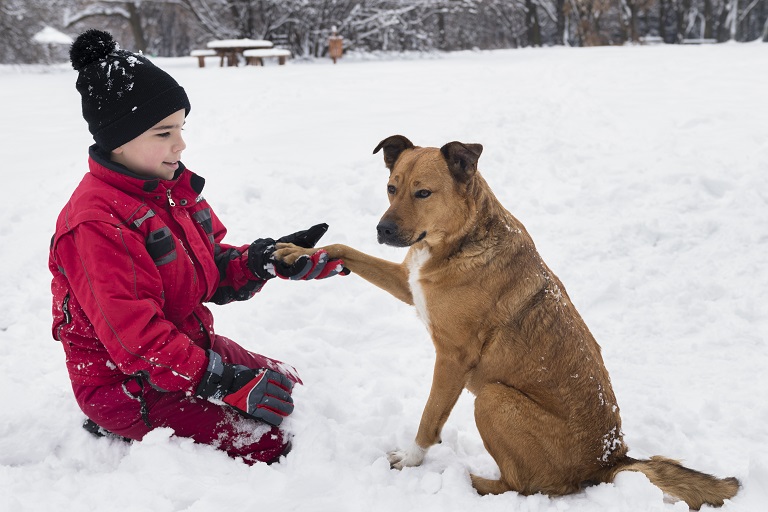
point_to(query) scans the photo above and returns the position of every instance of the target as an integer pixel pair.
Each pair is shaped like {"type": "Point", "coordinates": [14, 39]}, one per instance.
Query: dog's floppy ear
{"type": "Point", "coordinates": [393, 146]}
{"type": "Point", "coordinates": [462, 159]}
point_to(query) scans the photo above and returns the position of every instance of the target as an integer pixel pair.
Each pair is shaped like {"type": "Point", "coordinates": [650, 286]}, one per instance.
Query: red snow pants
{"type": "Point", "coordinates": [133, 408]}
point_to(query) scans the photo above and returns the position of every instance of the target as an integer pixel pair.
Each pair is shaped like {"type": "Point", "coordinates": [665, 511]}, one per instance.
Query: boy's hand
{"type": "Point", "coordinates": [261, 394]}
{"type": "Point", "coordinates": [306, 267]}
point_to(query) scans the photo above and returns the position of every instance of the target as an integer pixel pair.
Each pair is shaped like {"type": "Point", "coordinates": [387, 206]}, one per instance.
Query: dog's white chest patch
{"type": "Point", "coordinates": [418, 259]}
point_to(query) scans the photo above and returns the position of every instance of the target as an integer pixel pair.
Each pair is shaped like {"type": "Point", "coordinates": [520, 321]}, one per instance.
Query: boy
{"type": "Point", "coordinates": [136, 253]}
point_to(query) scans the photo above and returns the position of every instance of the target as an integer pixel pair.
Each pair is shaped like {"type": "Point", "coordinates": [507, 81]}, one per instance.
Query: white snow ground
{"type": "Point", "coordinates": [641, 173]}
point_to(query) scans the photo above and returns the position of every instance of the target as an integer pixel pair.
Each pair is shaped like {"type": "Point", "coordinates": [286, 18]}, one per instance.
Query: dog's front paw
{"type": "Point", "coordinates": [400, 459]}
{"type": "Point", "coordinates": [289, 253]}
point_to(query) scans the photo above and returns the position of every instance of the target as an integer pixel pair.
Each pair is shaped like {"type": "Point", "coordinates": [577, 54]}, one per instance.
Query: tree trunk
{"type": "Point", "coordinates": [765, 31]}
{"type": "Point", "coordinates": [441, 31]}
{"type": "Point", "coordinates": [679, 23]}
{"type": "Point", "coordinates": [722, 32]}
{"type": "Point", "coordinates": [135, 21]}
{"type": "Point", "coordinates": [532, 23]}
{"type": "Point", "coordinates": [734, 14]}
{"type": "Point", "coordinates": [632, 5]}
{"type": "Point", "coordinates": [560, 13]}
{"type": "Point", "coordinates": [708, 19]}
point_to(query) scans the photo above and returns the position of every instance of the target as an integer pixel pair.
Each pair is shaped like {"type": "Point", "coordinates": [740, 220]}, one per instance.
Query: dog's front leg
{"type": "Point", "coordinates": [447, 384]}
{"type": "Point", "coordinates": [389, 276]}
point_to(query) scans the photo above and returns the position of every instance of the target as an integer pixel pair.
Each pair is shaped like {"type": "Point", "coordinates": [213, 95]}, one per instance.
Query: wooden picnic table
{"type": "Point", "coordinates": [232, 49]}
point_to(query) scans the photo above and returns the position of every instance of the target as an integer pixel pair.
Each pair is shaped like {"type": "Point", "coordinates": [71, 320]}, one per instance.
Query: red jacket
{"type": "Point", "coordinates": [133, 260]}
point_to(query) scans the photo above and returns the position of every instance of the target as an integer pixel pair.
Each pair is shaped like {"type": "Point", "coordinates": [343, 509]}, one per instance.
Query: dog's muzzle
{"type": "Point", "coordinates": [389, 234]}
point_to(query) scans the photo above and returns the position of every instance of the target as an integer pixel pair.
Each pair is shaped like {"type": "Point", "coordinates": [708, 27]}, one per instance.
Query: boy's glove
{"type": "Point", "coordinates": [307, 238]}
{"type": "Point", "coordinates": [317, 266]}
{"type": "Point", "coordinates": [260, 394]}
{"type": "Point", "coordinates": [263, 264]}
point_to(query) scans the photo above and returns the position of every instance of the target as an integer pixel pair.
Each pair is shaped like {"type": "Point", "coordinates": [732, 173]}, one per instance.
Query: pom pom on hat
{"type": "Point", "coordinates": [92, 45]}
{"type": "Point", "coordinates": [123, 93]}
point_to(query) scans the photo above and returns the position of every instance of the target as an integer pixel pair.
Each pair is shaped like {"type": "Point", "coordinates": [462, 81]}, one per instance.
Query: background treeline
{"type": "Point", "coordinates": [173, 27]}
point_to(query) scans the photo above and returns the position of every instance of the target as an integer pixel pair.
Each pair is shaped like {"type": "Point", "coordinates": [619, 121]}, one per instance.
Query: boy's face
{"type": "Point", "coordinates": [156, 152]}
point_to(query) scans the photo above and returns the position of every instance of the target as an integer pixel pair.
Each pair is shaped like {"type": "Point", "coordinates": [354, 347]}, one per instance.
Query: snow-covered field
{"type": "Point", "coordinates": [641, 172]}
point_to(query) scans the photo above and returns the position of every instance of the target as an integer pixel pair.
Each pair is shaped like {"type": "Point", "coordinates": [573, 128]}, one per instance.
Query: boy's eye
{"type": "Point", "coordinates": [164, 134]}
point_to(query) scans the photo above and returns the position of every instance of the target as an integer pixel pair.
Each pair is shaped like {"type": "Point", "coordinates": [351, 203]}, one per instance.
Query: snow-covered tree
{"type": "Point", "coordinates": [20, 20]}
{"type": "Point", "coordinates": [173, 27]}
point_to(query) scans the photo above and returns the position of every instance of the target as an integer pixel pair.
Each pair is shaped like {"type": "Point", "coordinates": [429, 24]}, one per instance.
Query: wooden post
{"type": "Point", "coordinates": [335, 45]}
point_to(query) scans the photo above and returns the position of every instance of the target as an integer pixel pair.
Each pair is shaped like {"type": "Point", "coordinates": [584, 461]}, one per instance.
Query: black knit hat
{"type": "Point", "coordinates": [123, 93]}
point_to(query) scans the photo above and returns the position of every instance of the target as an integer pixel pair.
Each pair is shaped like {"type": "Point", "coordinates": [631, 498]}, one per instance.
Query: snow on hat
{"type": "Point", "coordinates": [123, 93]}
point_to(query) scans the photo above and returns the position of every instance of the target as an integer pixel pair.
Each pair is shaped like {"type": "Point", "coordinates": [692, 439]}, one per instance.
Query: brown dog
{"type": "Point", "coordinates": [503, 327]}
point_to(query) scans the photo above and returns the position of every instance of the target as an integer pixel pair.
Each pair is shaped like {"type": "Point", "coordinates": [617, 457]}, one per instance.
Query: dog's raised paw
{"type": "Point", "coordinates": [400, 459]}
{"type": "Point", "coordinates": [289, 253]}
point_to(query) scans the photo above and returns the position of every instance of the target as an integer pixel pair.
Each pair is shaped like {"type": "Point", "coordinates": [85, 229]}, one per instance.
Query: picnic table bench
{"type": "Point", "coordinates": [256, 57]}
{"type": "Point", "coordinates": [201, 55]}
{"type": "Point", "coordinates": [699, 41]}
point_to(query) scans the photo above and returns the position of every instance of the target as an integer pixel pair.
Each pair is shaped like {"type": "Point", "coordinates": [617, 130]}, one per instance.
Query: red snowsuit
{"type": "Point", "coordinates": [133, 260]}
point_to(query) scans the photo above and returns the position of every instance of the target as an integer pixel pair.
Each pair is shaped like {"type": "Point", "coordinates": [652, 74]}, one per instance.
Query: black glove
{"type": "Point", "coordinates": [263, 264]}
{"type": "Point", "coordinates": [261, 394]}
{"type": "Point", "coordinates": [307, 238]}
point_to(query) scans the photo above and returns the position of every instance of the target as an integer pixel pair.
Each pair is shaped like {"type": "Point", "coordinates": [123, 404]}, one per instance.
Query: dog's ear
{"type": "Point", "coordinates": [462, 159]}
{"type": "Point", "coordinates": [393, 146]}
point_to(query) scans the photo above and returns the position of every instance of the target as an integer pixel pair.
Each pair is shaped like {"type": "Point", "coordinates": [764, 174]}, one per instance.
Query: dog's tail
{"type": "Point", "coordinates": [693, 487]}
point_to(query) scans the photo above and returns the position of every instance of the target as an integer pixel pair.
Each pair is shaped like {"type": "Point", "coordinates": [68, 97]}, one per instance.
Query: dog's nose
{"type": "Point", "coordinates": [386, 231]}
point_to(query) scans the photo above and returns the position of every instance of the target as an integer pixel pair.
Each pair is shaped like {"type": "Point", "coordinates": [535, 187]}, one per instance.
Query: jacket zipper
{"type": "Point", "coordinates": [172, 203]}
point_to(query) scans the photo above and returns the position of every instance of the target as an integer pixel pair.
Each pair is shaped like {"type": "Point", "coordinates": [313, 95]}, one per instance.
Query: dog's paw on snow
{"type": "Point", "coordinates": [413, 456]}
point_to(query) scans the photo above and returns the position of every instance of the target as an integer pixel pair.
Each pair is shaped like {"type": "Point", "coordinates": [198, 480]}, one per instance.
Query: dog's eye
{"type": "Point", "coordinates": [391, 189]}
{"type": "Point", "coordinates": [423, 193]}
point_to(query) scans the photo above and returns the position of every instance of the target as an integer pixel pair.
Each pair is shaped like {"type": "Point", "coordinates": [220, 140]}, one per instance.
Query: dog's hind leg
{"type": "Point", "coordinates": [531, 446]}
{"type": "Point", "coordinates": [486, 486]}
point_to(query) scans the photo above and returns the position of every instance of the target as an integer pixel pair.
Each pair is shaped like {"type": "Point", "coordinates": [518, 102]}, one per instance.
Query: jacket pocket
{"type": "Point", "coordinates": [66, 317]}
{"type": "Point", "coordinates": [161, 246]}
